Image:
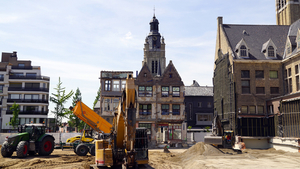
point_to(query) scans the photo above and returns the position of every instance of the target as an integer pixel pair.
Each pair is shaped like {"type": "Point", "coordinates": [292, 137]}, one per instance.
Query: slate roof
{"type": "Point", "coordinates": [199, 91]}
{"type": "Point", "coordinates": [292, 34]}
{"type": "Point", "coordinates": [255, 36]}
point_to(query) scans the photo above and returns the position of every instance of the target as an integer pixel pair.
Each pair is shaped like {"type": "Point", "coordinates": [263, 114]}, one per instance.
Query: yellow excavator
{"type": "Point", "coordinates": [121, 143]}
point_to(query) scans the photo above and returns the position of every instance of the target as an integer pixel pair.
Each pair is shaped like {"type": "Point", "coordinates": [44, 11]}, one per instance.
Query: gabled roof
{"type": "Point", "coordinates": [174, 80]}
{"type": "Point", "coordinates": [199, 91]}
{"type": "Point", "coordinates": [141, 79]}
{"type": "Point", "coordinates": [292, 35]}
{"type": "Point", "coordinates": [255, 36]}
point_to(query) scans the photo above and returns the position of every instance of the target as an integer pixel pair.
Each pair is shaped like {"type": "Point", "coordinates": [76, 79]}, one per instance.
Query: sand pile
{"type": "Point", "coordinates": [201, 149]}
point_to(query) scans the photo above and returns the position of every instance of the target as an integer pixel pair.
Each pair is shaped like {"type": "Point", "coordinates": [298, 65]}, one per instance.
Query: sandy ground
{"type": "Point", "coordinates": [198, 156]}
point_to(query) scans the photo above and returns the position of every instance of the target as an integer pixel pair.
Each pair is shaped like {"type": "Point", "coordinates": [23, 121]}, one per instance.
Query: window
{"type": "Point", "coordinates": [297, 83]}
{"type": "Point", "coordinates": [141, 90]}
{"type": "Point", "coordinates": [252, 109]}
{"type": "Point", "coordinates": [260, 109]}
{"type": "Point", "coordinates": [145, 91]}
{"type": "Point", "coordinates": [31, 96]}
{"type": "Point", "coordinates": [199, 104]}
{"type": "Point", "coordinates": [32, 85]}
{"type": "Point", "coordinates": [15, 85]}
{"type": "Point", "coordinates": [152, 66]}
{"type": "Point", "coordinates": [21, 65]}
{"type": "Point", "coordinates": [1, 88]}
{"type": "Point", "coordinates": [14, 96]}
{"type": "Point", "coordinates": [145, 74]}
{"type": "Point", "coordinates": [271, 52]}
{"type": "Point", "coordinates": [204, 117]}
{"type": "Point", "coordinates": [148, 91]}
{"type": "Point", "coordinates": [123, 84]}
{"type": "Point", "coordinates": [273, 74]}
{"type": "Point", "coordinates": [259, 74]}
{"type": "Point", "coordinates": [116, 85]}
{"type": "Point", "coordinates": [31, 108]}
{"type": "Point", "coordinates": [145, 109]}
{"type": "Point", "coordinates": [1, 77]}
{"type": "Point", "coordinates": [147, 126]}
{"type": "Point", "coordinates": [18, 74]}
{"type": "Point", "coordinates": [274, 90]}
{"type": "Point", "coordinates": [115, 104]}
{"type": "Point", "coordinates": [260, 90]}
{"type": "Point", "coordinates": [245, 74]}
{"type": "Point", "coordinates": [106, 104]}
{"type": "Point", "coordinates": [244, 109]}
{"type": "Point", "coordinates": [30, 74]}
{"type": "Point", "coordinates": [243, 51]}
{"type": "Point", "coordinates": [296, 69]}
{"type": "Point", "coordinates": [245, 86]}
{"type": "Point", "coordinates": [107, 85]}
{"type": "Point", "coordinates": [209, 104]}
{"type": "Point", "coordinates": [170, 75]}
{"type": "Point", "coordinates": [164, 109]}
{"type": "Point", "coordinates": [164, 91]}
{"type": "Point", "coordinates": [176, 109]}
{"type": "Point", "coordinates": [176, 91]}
{"type": "Point", "coordinates": [190, 108]}
{"type": "Point", "coordinates": [289, 72]}
{"type": "Point", "coordinates": [290, 85]}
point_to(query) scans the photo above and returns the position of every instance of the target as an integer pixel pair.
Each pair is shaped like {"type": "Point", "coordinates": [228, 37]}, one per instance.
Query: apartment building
{"type": "Point", "coordinates": [23, 84]}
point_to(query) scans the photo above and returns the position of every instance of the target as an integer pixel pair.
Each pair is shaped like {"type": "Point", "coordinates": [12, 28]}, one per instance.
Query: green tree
{"type": "Point", "coordinates": [59, 99]}
{"type": "Point", "coordinates": [97, 97]}
{"type": "Point", "coordinates": [74, 121]}
{"type": "Point", "coordinates": [15, 119]}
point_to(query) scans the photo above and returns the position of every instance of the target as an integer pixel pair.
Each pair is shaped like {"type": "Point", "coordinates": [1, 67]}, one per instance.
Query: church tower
{"type": "Point", "coordinates": [287, 11]}
{"type": "Point", "coordinates": [154, 50]}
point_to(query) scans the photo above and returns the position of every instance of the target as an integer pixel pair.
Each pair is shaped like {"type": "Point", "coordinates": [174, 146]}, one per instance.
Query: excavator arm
{"type": "Point", "coordinates": [91, 118]}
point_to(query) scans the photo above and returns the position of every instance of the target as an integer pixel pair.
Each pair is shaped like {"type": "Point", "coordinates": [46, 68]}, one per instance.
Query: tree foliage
{"type": "Point", "coordinates": [74, 121]}
{"type": "Point", "coordinates": [15, 119]}
{"type": "Point", "coordinates": [97, 97]}
{"type": "Point", "coordinates": [59, 99]}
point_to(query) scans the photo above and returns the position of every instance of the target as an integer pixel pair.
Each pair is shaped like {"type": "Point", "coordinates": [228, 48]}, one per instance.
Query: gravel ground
{"type": "Point", "coordinates": [198, 156]}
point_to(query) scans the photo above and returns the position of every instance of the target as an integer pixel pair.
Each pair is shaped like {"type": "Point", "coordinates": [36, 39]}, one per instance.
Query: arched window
{"type": "Point", "coordinates": [152, 66]}
{"type": "Point", "coordinates": [271, 52]}
{"type": "Point", "coordinates": [243, 51]}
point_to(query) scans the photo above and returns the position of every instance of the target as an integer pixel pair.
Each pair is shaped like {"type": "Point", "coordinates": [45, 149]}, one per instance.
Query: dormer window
{"type": "Point", "coordinates": [288, 48]}
{"type": "Point", "coordinates": [243, 51]}
{"type": "Point", "coordinates": [271, 51]}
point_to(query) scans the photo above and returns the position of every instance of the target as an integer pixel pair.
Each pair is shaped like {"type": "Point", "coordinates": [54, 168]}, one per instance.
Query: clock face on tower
{"type": "Point", "coordinates": [154, 38]}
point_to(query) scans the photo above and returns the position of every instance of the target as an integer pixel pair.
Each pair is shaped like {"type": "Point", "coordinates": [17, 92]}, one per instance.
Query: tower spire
{"type": "Point", "coordinates": [154, 11]}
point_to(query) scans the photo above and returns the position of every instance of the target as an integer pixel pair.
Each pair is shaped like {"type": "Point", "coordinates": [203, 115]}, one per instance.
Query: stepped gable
{"type": "Point", "coordinates": [171, 76]}
{"type": "Point", "coordinates": [145, 77]}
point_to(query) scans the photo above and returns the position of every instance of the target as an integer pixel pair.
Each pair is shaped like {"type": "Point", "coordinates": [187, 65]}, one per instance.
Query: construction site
{"type": "Point", "coordinates": [199, 155]}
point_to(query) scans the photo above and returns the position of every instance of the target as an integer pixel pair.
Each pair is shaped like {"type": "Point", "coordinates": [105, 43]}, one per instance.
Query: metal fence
{"type": "Point", "coordinates": [288, 123]}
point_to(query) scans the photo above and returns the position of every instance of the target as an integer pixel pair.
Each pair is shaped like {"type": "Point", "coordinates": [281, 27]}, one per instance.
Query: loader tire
{"type": "Point", "coordinates": [46, 146]}
{"type": "Point", "coordinates": [82, 150]}
{"type": "Point", "coordinates": [92, 150]}
{"type": "Point", "coordinates": [22, 149]}
{"type": "Point", "coordinates": [5, 151]}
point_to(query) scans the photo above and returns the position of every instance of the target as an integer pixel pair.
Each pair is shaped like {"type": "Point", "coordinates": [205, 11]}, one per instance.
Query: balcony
{"type": "Point", "coordinates": [29, 112]}
{"type": "Point", "coordinates": [29, 77]}
{"type": "Point", "coordinates": [27, 101]}
{"type": "Point", "coordinates": [28, 89]}
{"type": "Point", "coordinates": [22, 67]}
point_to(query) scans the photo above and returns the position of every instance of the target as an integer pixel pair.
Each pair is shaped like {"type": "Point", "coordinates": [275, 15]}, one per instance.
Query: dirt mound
{"type": "Point", "coordinates": [201, 149]}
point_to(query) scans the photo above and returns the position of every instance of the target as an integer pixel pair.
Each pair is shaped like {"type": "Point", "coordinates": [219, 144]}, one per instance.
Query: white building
{"type": "Point", "coordinates": [22, 83]}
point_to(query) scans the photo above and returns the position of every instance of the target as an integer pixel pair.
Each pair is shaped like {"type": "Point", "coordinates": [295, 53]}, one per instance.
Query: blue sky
{"type": "Point", "coordinates": [76, 39]}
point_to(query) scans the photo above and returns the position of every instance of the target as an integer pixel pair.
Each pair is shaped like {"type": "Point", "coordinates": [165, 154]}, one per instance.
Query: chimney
{"type": "Point", "coordinates": [14, 54]}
